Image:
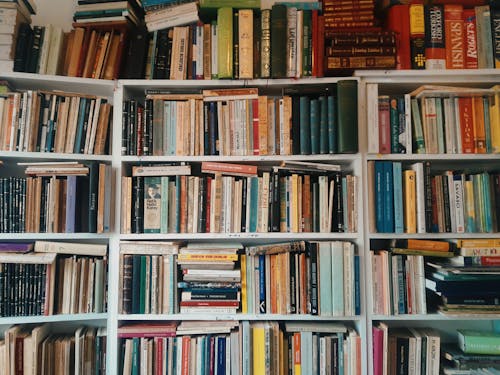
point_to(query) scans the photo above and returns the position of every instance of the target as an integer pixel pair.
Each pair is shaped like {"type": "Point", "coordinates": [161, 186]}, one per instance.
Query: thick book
{"type": "Point", "coordinates": [435, 51]}
{"type": "Point", "coordinates": [347, 104]}
{"type": "Point", "coordinates": [398, 21]}
{"type": "Point", "coordinates": [278, 41]}
{"type": "Point", "coordinates": [479, 342]}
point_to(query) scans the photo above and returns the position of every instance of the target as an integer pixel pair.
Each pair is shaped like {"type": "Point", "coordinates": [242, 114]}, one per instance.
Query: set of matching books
{"type": "Point", "coordinates": [15, 19]}
{"type": "Point", "coordinates": [446, 36]}
{"type": "Point", "coordinates": [29, 349]}
{"type": "Point", "coordinates": [247, 348]}
{"type": "Point", "coordinates": [52, 278]}
{"type": "Point", "coordinates": [233, 198]}
{"type": "Point", "coordinates": [405, 350]}
{"type": "Point", "coordinates": [318, 278]}
{"type": "Point", "coordinates": [241, 122]}
{"type": "Point", "coordinates": [50, 121]}
{"type": "Point", "coordinates": [414, 199]}
{"type": "Point", "coordinates": [46, 200]}
{"type": "Point", "coordinates": [477, 351]}
{"type": "Point", "coordinates": [435, 119]}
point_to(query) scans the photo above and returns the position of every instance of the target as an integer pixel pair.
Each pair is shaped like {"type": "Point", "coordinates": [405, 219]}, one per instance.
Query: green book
{"type": "Point", "coordinates": [225, 42]}
{"type": "Point", "coordinates": [278, 41]}
{"type": "Point", "coordinates": [332, 124]}
{"type": "Point", "coordinates": [347, 116]}
{"type": "Point", "coordinates": [479, 342]}
{"type": "Point", "coordinates": [142, 291]}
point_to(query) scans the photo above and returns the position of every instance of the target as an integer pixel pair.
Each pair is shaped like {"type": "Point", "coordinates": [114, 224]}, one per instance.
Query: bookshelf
{"type": "Point", "coordinates": [398, 83]}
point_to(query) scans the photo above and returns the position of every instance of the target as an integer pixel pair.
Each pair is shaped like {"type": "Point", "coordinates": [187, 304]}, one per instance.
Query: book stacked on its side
{"type": "Point", "coordinates": [101, 11]}
{"type": "Point", "coordinates": [469, 283]}
{"type": "Point", "coordinates": [211, 281]}
{"type": "Point", "coordinates": [15, 34]}
{"type": "Point", "coordinates": [456, 360]}
{"type": "Point", "coordinates": [165, 14]}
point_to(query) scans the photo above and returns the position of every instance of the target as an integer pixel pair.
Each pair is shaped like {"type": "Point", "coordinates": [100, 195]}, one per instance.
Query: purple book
{"type": "Point", "coordinates": [16, 247]}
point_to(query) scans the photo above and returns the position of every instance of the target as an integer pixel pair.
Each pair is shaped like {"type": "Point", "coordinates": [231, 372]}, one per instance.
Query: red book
{"type": "Point", "coordinates": [158, 341]}
{"type": "Point", "coordinates": [229, 168]}
{"type": "Point", "coordinates": [398, 20]}
{"type": "Point", "coordinates": [470, 39]}
{"type": "Point", "coordinates": [378, 351]}
{"type": "Point", "coordinates": [466, 124]}
{"type": "Point", "coordinates": [211, 303]}
{"type": "Point", "coordinates": [384, 125]}
{"type": "Point", "coordinates": [186, 346]}
{"type": "Point", "coordinates": [435, 51]}
{"type": "Point", "coordinates": [454, 33]}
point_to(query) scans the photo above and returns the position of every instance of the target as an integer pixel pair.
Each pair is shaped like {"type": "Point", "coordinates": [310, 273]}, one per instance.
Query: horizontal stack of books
{"type": "Point", "coordinates": [15, 33]}
{"type": "Point", "coordinates": [468, 284]}
{"type": "Point", "coordinates": [88, 11]}
{"type": "Point", "coordinates": [164, 14]}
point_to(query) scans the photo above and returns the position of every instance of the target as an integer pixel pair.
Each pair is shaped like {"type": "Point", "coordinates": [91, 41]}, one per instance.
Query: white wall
{"type": "Point", "coordinates": [57, 12]}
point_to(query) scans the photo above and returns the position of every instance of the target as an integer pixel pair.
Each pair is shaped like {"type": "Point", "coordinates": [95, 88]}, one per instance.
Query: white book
{"type": "Point", "coordinates": [291, 63]}
{"type": "Point", "coordinates": [372, 118]}
{"type": "Point", "coordinates": [70, 248]}
{"type": "Point", "coordinates": [149, 247]}
{"type": "Point", "coordinates": [450, 126]}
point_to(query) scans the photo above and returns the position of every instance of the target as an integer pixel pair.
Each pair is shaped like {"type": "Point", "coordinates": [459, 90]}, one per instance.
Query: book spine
{"type": "Point", "coordinates": [435, 51]}
{"type": "Point", "coordinates": [495, 34]}
{"type": "Point", "coordinates": [278, 28]}
{"type": "Point", "coordinates": [417, 36]}
{"type": "Point", "coordinates": [470, 39]}
{"type": "Point", "coordinates": [265, 44]}
{"type": "Point", "coordinates": [225, 42]}
{"type": "Point", "coordinates": [454, 36]}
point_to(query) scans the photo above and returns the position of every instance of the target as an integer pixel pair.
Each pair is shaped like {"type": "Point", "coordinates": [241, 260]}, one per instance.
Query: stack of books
{"type": "Point", "coordinates": [100, 11]}
{"type": "Point", "coordinates": [354, 39]}
{"type": "Point", "coordinates": [468, 284]}
{"type": "Point", "coordinates": [15, 32]}
{"type": "Point", "coordinates": [211, 283]}
{"type": "Point", "coordinates": [163, 14]}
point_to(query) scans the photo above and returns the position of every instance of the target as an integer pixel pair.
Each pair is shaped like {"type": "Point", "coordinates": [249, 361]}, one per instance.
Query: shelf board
{"type": "Point", "coordinates": [271, 159]}
{"type": "Point", "coordinates": [251, 317]}
{"type": "Point", "coordinates": [54, 236]}
{"type": "Point", "coordinates": [53, 318]}
{"type": "Point", "coordinates": [43, 156]}
{"type": "Point", "coordinates": [31, 81]}
{"type": "Point", "coordinates": [437, 157]}
{"type": "Point", "coordinates": [444, 236]}
{"type": "Point", "coordinates": [435, 316]}
{"type": "Point", "coordinates": [241, 236]}
{"type": "Point", "coordinates": [420, 77]}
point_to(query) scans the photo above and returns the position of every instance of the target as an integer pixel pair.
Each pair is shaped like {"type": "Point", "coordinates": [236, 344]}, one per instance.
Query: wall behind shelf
{"type": "Point", "coordinates": [57, 12]}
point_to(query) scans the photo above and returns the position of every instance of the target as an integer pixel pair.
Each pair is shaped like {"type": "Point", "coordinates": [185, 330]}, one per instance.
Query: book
{"type": "Point", "coordinates": [435, 51]}
{"type": "Point", "coordinates": [478, 342]}
{"type": "Point", "coordinates": [70, 248]}
{"type": "Point", "coordinates": [346, 109]}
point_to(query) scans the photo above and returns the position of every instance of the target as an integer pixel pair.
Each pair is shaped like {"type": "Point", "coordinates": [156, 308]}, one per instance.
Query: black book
{"type": "Point", "coordinates": [23, 46]}
{"type": "Point", "coordinates": [275, 203]}
{"type": "Point", "coordinates": [147, 145]}
{"type": "Point", "coordinates": [127, 283]}
{"type": "Point", "coordinates": [256, 44]}
{"type": "Point", "coordinates": [278, 41]}
{"type": "Point", "coordinates": [82, 195]}
{"type": "Point", "coordinates": [402, 356]}
{"type": "Point", "coordinates": [446, 204]}
{"type": "Point", "coordinates": [36, 46]}
{"type": "Point", "coordinates": [92, 198]}
{"type": "Point", "coordinates": [338, 205]}
{"type": "Point", "coordinates": [293, 282]}
{"type": "Point", "coordinates": [202, 211]}
{"type": "Point", "coordinates": [125, 126]}
{"type": "Point", "coordinates": [137, 204]}
{"type": "Point", "coordinates": [170, 41]}
{"type": "Point", "coordinates": [132, 128]}
{"type": "Point", "coordinates": [244, 206]}
{"type": "Point", "coordinates": [312, 251]}
{"type": "Point", "coordinates": [161, 49]}
{"type": "Point", "coordinates": [3, 268]}
{"type": "Point", "coordinates": [428, 196]}
{"type": "Point", "coordinates": [136, 54]}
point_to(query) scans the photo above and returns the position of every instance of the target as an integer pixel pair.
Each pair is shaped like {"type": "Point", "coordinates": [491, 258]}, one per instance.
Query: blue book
{"type": "Point", "coordinates": [337, 282]}
{"type": "Point", "coordinates": [70, 204]}
{"type": "Point", "coordinates": [314, 123]}
{"type": "Point", "coordinates": [388, 198]}
{"type": "Point", "coordinates": [323, 125]}
{"type": "Point", "coordinates": [325, 278]}
{"type": "Point", "coordinates": [262, 284]}
{"type": "Point", "coordinates": [340, 356]}
{"type": "Point", "coordinates": [332, 124]}
{"type": "Point", "coordinates": [357, 287]}
{"type": "Point", "coordinates": [305, 126]}
{"type": "Point", "coordinates": [397, 182]}
{"type": "Point", "coordinates": [221, 355]}
{"type": "Point", "coordinates": [379, 196]}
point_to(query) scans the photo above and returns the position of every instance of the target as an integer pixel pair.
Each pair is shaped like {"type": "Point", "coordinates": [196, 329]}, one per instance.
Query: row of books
{"type": "Point", "coordinates": [248, 348]}
{"type": "Point", "coordinates": [49, 121]}
{"type": "Point", "coordinates": [37, 349]}
{"type": "Point", "coordinates": [279, 278]}
{"type": "Point", "coordinates": [241, 122]}
{"type": "Point", "coordinates": [46, 200]}
{"type": "Point", "coordinates": [413, 199]}
{"type": "Point", "coordinates": [213, 202]}
{"type": "Point", "coordinates": [45, 278]}
{"type": "Point", "coordinates": [435, 119]}
{"type": "Point", "coordinates": [449, 36]}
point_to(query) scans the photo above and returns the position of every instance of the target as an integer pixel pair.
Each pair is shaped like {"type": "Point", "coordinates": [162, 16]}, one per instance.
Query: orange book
{"type": "Point", "coordinates": [419, 244]}
{"type": "Point", "coordinates": [297, 365]}
{"type": "Point", "coordinates": [186, 346]}
{"type": "Point", "coordinates": [410, 204]}
{"type": "Point", "coordinates": [263, 118]}
{"type": "Point", "coordinates": [454, 34]}
{"type": "Point", "coordinates": [91, 54]}
{"type": "Point", "coordinates": [478, 122]}
{"type": "Point", "coordinates": [466, 124]}
{"type": "Point", "coordinates": [183, 204]}
{"type": "Point", "coordinates": [76, 50]}
{"type": "Point", "coordinates": [398, 20]}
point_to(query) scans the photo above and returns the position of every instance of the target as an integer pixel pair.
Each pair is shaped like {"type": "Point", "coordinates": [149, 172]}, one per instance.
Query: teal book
{"type": "Point", "coordinates": [337, 282]}
{"type": "Point", "coordinates": [325, 278]}
{"type": "Point", "coordinates": [307, 43]}
{"type": "Point", "coordinates": [397, 183]}
{"type": "Point", "coordinates": [152, 204]}
{"type": "Point", "coordinates": [487, 208]}
{"type": "Point", "coordinates": [142, 290]}
{"type": "Point", "coordinates": [332, 124]}
{"type": "Point", "coordinates": [347, 116]}
{"type": "Point", "coordinates": [314, 124]}
{"type": "Point", "coordinates": [136, 355]}
{"type": "Point", "coordinates": [306, 352]}
{"type": "Point", "coordinates": [479, 342]}
{"type": "Point", "coordinates": [254, 203]}
{"type": "Point", "coordinates": [305, 125]}
{"type": "Point", "coordinates": [323, 125]}
{"type": "Point", "coordinates": [82, 112]}
{"type": "Point", "coordinates": [164, 204]}
{"type": "Point", "coordinates": [278, 41]}
{"type": "Point", "coordinates": [340, 350]}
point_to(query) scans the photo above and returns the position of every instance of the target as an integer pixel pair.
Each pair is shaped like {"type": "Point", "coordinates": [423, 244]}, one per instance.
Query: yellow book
{"type": "Point", "coordinates": [245, 43]}
{"type": "Point", "coordinates": [478, 122]}
{"type": "Point", "coordinates": [243, 270]}
{"type": "Point", "coordinates": [258, 349]}
{"type": "Point", "coordinates": [495, 120]}
{"type": "Point", "coordinates": [225, 42]}
{"type": "Point", "coordinates": [263, 150]}
{"type": "Point", "coordinates": [410, 204]}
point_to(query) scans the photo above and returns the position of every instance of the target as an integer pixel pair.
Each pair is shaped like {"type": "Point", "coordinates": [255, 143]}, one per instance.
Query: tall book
{"type": "Point", "coordinates": [417, 35]}
{"type": "Point", "coordinates": [347, 116]}
{"type": "Point", "coordinates": [398, 20]}
{"type": "Point", "coordinates": [278, 41]}
{"type": "Point", "coordinates": [435, 51]}
{"type": "Point", "coordinates": [454, 34]}
{"type": "Point", "coordinates": [225, 42]}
